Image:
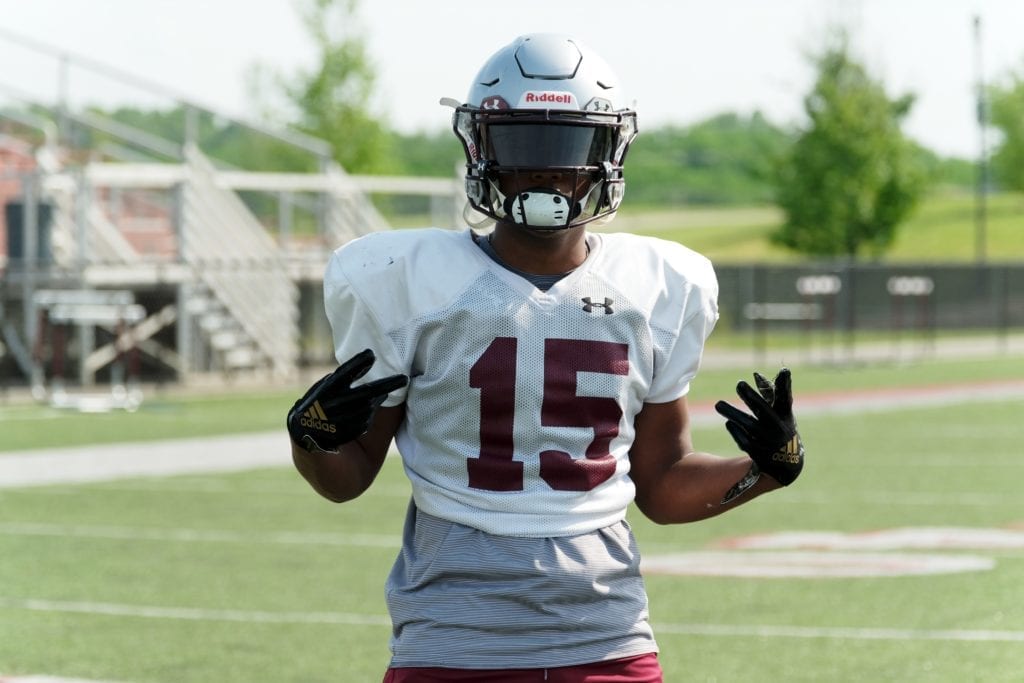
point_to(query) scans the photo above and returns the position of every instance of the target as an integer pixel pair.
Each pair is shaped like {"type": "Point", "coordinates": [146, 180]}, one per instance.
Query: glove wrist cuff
{"type": "Point", "coordinates": [743, 485]}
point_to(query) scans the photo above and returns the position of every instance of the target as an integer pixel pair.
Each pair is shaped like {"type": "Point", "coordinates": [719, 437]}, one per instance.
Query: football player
{"type": "Point", "coordinates": [534, 377]}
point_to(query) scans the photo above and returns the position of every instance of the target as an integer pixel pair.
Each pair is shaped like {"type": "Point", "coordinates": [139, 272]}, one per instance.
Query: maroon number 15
{"type": "Point", "coordinates": [494, 374]}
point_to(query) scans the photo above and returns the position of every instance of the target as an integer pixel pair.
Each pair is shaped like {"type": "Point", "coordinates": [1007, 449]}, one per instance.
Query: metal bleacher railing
{"type": "Point", "coordinates": [141, 210]}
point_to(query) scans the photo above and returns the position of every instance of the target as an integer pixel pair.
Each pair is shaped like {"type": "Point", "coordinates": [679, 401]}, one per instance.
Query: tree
{"type": "Point", "coordinates": [1006, 113]}
{"type": "Point", "coordinates": [333, 99]}
{"type": "Point", "coordinates": [851, 176]}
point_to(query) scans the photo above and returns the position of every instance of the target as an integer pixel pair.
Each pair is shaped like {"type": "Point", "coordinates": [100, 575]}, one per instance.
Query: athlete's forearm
{"type": "Point", "coordinates": [699, 486]}
{"type": "Point", "coordinates": [340, 475]}
{"type": "Point", "coordinates": [346, 473]}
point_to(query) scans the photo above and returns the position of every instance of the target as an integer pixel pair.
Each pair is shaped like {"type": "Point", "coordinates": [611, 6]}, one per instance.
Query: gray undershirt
{"type": "Point", "coordinates": [541, 282]}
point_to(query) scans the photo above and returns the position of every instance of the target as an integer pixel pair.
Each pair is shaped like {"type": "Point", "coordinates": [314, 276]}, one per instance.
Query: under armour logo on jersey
{"type": "Point", "coordinates": [589, 305]}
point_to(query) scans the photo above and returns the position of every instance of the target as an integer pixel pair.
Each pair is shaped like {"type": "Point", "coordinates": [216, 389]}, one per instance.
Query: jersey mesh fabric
{"type": "Point", "coordinates": [438, 427]}
{"type": "Point", "coordinates": [535, 391]}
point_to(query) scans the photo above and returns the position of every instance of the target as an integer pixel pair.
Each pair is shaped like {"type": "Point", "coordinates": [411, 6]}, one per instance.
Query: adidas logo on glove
{"type": "Point", "coordinates": [792, 453]}
{"type": "Point", "coordinates": [315, 418]}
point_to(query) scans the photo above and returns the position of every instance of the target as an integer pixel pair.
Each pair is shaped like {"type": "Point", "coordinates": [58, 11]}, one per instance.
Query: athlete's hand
{"type": "Point", "coordinates": [769, 435]}
{"type": "Point", "coordinates": [333, 412]}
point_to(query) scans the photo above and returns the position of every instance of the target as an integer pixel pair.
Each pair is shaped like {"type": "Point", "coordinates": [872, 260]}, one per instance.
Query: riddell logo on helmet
{"type": "Point", "coordinates": [546, 97]}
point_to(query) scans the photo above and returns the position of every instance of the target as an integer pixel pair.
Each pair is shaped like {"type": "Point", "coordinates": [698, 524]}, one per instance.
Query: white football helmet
{"type": "Point", "coordinates": [545, 130]}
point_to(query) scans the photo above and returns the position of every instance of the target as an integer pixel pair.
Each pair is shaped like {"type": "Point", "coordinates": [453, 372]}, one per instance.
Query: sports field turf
{"type": "Point", "coordinates": [251, 577]}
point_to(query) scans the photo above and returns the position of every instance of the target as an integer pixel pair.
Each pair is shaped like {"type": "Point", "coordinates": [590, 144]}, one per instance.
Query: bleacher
{"type": "Point", "coordinates": [222, 289]}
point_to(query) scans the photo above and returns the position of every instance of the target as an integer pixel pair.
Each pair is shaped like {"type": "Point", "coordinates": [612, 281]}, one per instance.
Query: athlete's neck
{"type": "Point", "coordinates": [540, 252]}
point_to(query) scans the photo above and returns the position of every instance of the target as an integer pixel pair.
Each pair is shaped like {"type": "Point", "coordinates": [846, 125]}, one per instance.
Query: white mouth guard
{"type": "Point", "coordinates": [540, 207]}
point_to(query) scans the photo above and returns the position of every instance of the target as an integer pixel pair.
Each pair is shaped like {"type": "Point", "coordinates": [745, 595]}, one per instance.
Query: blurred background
{"type": "Point", "coordinates": [174, 175]}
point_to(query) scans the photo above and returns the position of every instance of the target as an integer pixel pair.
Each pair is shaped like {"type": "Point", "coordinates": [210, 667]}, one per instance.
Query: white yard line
{"type": "Point", "coordinates": [106, 462]}
{"type": "Point", "coordinates": [362, 620]}
{"type": "Point", "coordinates": [194, 613]}
{"type": "Point", "coordinates": [47, 679]}
{"type": "Point", "coordinates": [128, 533]}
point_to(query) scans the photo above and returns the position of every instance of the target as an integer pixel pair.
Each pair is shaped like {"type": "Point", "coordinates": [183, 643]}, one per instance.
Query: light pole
{"type": "Point", "coordinates": [981, 181]}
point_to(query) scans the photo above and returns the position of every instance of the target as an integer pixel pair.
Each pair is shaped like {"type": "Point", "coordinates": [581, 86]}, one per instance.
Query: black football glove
{"type": "Point", "coordinates": [333, 412]}
{"type": "Point", "coordinates": [768, 436]}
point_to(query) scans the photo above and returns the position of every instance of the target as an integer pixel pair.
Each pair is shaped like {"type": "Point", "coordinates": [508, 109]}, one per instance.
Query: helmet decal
{"type": "Point", "coordinates": [494, 102]}
{"type": "Point", "coordinates": [547, 99]}
{"type": "Point", "coordinates": [598, 104]}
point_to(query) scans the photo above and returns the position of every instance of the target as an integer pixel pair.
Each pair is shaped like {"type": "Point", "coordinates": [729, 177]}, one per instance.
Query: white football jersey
{"type": "Point", "coordinates": [521, 403]}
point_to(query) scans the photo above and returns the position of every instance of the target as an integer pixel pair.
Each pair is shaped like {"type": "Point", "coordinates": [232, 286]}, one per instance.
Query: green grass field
{"type": "Point", "coordinates": [251, 577]}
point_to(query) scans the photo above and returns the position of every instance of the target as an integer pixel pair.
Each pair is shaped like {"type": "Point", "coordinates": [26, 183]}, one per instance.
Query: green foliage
{"type": "Point", "coordinates": [945, 172]}
{"type": "Point", "coordinates": [726, 159]}
{"type": "Point", "coordinates": [332, 98]}
{"type": "Point", "coordinates": [851, 177]}
{"type": "Point", "coordinates": [436, 154]}
{"type": "Point", "coordinates": [1006, 102]}
{"type": "Point", "coordinates": [329, 103]}
{"type": "Point", "coordinates": [168, 125]}
{"type": "Point", "coordinates": [239, 146]}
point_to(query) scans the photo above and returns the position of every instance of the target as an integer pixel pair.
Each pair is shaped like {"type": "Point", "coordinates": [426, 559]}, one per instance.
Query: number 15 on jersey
{"type": "Point", "coordinates": [494, 374]}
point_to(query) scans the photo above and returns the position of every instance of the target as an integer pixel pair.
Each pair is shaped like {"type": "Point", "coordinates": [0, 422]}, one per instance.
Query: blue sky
{"type": "Point", "coordinates": [681, 60]}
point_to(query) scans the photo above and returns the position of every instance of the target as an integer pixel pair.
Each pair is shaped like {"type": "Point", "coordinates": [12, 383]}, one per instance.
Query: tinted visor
{"type": "Point", "coordinates": [547, 145]}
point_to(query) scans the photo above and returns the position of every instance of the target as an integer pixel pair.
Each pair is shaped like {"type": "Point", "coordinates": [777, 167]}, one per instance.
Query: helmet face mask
{"type": "Point", "coordinates": [547, 162]}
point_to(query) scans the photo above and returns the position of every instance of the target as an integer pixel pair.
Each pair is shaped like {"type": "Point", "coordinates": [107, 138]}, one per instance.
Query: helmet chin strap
{"type": "Point", "coordinates": [542, 208]}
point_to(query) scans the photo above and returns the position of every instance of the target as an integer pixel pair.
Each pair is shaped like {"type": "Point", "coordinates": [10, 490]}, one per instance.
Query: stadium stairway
{"type": "Point", "coordinates": [133, 211]}
{"type": "Point", "coordinates": [125, 225]}
{"type": "Point", "coordinates": [123, 206]}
